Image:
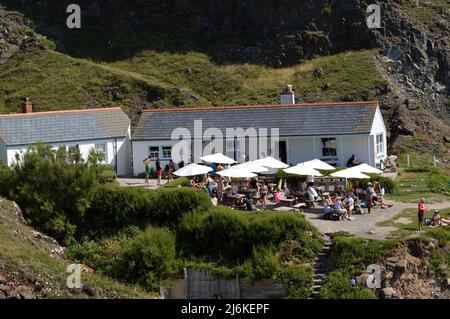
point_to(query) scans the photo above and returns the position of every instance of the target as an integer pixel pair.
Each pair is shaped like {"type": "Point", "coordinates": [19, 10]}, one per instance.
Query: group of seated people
{"type": "Point", "coordinates": [339, 208]}
{"type": "Point", "coordinates": [437, 220]}
{"type": "Point", "coordinates": [389, 164]}
{"type": "Point", "coordinates": [249, 193]}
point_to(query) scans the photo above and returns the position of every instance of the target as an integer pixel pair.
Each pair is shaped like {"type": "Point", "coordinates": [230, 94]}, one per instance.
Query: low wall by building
{"type": "Point", "coordinates": [202, 284]}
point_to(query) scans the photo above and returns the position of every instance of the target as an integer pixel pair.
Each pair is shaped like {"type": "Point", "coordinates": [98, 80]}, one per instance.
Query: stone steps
{"type": "Point", "coordinates": [320, 264]}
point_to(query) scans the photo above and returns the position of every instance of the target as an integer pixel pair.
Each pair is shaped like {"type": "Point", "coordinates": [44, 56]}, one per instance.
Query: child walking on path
{"type": "Point", "coordinates": [421, 213]}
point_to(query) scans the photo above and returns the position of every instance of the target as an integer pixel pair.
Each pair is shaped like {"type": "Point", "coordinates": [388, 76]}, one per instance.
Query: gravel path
{"type": "Point", "coordinates": [364, 225]}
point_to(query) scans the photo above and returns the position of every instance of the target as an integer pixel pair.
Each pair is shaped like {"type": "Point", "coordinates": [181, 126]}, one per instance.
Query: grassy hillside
{"type": "Point", "coordinates": [25, 259]}
{"type": "Point", "coordinates": [169, 79]}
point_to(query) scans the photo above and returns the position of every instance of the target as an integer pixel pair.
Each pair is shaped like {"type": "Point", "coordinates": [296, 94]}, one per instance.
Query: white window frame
{"type": "Point", "coordinates": [103, 147]}
{"type": "Point", "coordinates": [162, 152]}
{"type": "Point", "coordinates": [150, 152]}
{"type": "Point", "coordinates": [322, 147]}
{"type": "Point", "coordinates": [379, 143]}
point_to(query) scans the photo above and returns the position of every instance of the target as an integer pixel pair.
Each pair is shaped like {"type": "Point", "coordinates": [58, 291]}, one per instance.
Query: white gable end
{"type": "Point", "coordinates": [378, 123]}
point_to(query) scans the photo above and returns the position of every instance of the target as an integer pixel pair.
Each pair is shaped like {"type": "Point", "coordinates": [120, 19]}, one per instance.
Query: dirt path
{"type": "Point", "coordinates": [363, 225]}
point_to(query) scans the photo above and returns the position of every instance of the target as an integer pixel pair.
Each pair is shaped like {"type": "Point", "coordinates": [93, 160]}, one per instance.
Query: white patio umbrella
{"type": "Point", "coordinates": [252, 167]}
{"type": "Point", "coordinates": [218, 158]}
{"type": "Point", "coordinates": [365, 168]}
{"type": "Point", "coordinates": [302, 170]}
{"type": "Point", "coordinates": [237, 173]}
{"type": "Point", "coordinates": [270, 162]}
{"type": "Point", "coordinates": [193, 170]}
{"type": "Point", "coordinates": [318, 164]}
{"type": "Point", "coordinates": [350, 173]}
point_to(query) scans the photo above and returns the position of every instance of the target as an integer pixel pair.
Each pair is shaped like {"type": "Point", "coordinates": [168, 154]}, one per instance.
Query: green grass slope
{"type": "Point", "coordinates": [26, 259]}
{"type": "Point", "coordinates": [159, 79]}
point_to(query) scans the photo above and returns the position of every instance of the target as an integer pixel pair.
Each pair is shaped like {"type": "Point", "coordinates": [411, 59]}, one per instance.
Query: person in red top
{"type": "Point", "coordinates": [421, 212]}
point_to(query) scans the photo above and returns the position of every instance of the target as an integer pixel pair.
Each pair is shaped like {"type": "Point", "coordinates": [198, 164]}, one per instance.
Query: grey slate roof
{"type": "Point", "coordinates": [292, 120]}
{"type": "Point", "coordinates": [63, 126]}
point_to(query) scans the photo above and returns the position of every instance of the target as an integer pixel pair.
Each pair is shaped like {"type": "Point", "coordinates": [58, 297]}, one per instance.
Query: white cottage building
{"type": "Point", "coordinates": [332, 132]}
{"type": "Point", "coordinates": [104, 129]}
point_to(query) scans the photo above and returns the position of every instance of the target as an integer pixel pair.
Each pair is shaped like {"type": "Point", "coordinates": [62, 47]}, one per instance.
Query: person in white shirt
{"type": "Point", "coordinates": [349, 204]}
{"type": "Point", "coordinates": [312, 194]}
{"type": "Point", "coordinates": [339, 208]}
{"type": "Point", "coordinates": [379, 188]}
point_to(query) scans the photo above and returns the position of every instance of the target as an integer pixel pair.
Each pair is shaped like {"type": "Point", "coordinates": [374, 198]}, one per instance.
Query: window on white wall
{"type": "Point", "coordinates": [167, 151]}
{"type": "Point", "coordinates": [101, 148]}
{"type": "Point", "coordinates": [329, 146]}
{"type": "Point", "coordinates": [73, 149]}
{"type": "Point", "coordinates": [153, 151]}
{"type": "Point", "coordinates": [380, 143]}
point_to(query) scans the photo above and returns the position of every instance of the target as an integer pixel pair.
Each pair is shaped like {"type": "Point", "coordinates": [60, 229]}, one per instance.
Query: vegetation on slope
{"type": "Point", "coordinates": [163, 79]}
{"type": "Point", "coordinates": [28, 260]}
{"type": "Point", "coordinates": [146, 237]}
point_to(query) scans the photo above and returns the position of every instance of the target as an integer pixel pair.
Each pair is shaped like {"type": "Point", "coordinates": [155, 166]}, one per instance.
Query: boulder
{"type": "Point", "coordinates": [388, 292]}
{"type": "Point", "coordinates": [362, 279]}
{"type": "Point", "coordinates": [23, 292]}
{"type": "Point", "coordinates": [5, 288]}
{"type": "Point", "coordinates": [401, 265]}
{"type": "Point", "coordinates": [2, 295]}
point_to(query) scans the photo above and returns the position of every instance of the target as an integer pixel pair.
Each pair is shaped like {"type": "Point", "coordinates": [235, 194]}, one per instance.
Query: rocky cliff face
{"type": "Point", "coordinates": [16, 34]}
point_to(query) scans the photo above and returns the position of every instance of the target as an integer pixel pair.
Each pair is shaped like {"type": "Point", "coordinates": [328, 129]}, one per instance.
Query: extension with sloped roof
{"type": "Point", "coordinates": [331, 132]}
{"type": "Point", "coordinates": [104, 129]}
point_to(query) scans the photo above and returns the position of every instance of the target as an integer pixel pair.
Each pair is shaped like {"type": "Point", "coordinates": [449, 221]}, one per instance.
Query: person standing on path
{"type": "Point", "coordinates": [171, 170]}
{"type": "Point", "coordinates": [369, 196]}
{"type": "Point", "coordinates": [421, 212]}
{"type": "Point", "coordinates": [158, 171]}
{"type": "Point", "coordinates": [148, 169]}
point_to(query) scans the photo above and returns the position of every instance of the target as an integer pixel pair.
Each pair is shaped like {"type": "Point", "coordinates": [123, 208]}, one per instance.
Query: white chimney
{"type": "Point", "coordinates": [287, 96]}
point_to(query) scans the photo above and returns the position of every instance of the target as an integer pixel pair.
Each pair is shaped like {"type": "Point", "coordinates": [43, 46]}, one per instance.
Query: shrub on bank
{"type": "Point", "coordinates": [337, 286]}
{"type": "Point", "coordinates": [230, 235]}
{"type": "Point", "coordinates": [113, 207]}
{"type": "Point", "coordinates": [352, 253]}
{"type": "Point", "coordinates": [297, 280]}
{"type": "Point", "coordinates": [147, 257]}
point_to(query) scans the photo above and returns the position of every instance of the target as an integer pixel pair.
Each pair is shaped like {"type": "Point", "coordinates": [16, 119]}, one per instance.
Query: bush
{"type": "Point", "coordinates": [105, 173]}
{"type": "Point", "coordinates": [262, 264]}
{"type": "Point", "coordinates": [149, 258]}
{"type": "Point", "coordinates": [353, 254]}
{"type": "Point", "coordinates": [442, 234]}
{"type": "Point", "coordinates": [6, 180]}
{"type": "Point", "coordinates": [103, 256]}
{"type": "Point", "coordinates": [229, 235]}
{"type": "Point", "coordinates": [113, 207]}
{"type": "Point", "coordinates": [297, 281]}
{"type": "Point", "coordinates": [337, 286]}
{"type": "Point", "coordinates": [53, 189]}
{"type": "Point", "coordinates": [143, 257]}
{"type": "Point", "coordinates": [440, 183]}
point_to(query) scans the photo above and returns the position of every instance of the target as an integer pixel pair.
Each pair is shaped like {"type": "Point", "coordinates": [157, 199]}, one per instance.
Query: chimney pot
{"type": "Point", "coordinates": [287, 96]}
{"type": "Point", "coordinates": [27, 106]}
